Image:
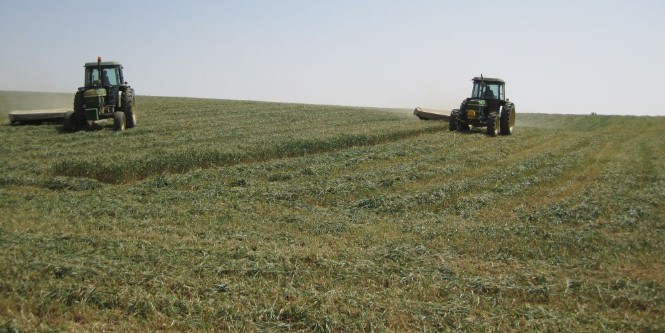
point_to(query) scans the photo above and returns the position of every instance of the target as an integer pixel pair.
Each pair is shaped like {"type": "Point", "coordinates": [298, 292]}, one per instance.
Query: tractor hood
{"type": "Point", "coordinates": [100, 92]}
{"type": "Point", "coordinates": [476, 102]}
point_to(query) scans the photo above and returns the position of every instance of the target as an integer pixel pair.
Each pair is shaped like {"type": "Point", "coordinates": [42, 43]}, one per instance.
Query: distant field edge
{"type": "Point", "coordinates": [17, 99]}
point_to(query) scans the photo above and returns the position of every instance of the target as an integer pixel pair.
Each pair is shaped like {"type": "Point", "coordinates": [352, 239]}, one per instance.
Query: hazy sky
{"type": "Point", "coordinates": [556, 56]}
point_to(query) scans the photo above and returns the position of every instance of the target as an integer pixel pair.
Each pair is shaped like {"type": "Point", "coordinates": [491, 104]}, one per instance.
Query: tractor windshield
{"type": "Point", "coordinates": [109, 76]}
{"type": "Point", "coordinates": [487, 90]}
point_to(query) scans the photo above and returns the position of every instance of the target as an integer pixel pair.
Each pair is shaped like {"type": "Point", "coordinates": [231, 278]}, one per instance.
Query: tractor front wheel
{"type": "Point", "coordinates": [119, 121]}
{"type": "Point", "coordinates": [128, 104]}
{"type": "Point", "coordinates": [493, 124]}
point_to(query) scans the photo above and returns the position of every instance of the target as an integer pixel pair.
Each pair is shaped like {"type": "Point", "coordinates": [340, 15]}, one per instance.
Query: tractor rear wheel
{"type": "Point", "coordinates": [72, 121]}
{"type": "Point", "coordinates": [452, 121]}
{"type": "Point", "coordinates": [493, 124]}
{"type": "Point", "coordinates": [508, 119]}
{"type": "Point", "coordinates": [78, 101]}
{"type": "Point", "coordinates": [128, 101]}
{"type": "Point", "coordinates": [77, 118]}
{"type": "Point", "coordinates": [119, 121]}
{"type": "Point", "coordinates": [67, 121]}
{"type": "Point", "coordinates": [128, 104]}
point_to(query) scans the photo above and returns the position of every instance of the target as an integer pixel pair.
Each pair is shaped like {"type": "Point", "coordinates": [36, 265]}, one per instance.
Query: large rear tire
{"type": "Point", "coordinates": [72, 121]}
{"type": "Point", "coordinates": [462, 126]}
{"type": "Point", "coordinates": [119, 123]}
{"type": "Point", "coordinates": [67, 121]}
{"type": "Point", "coordinates": [77, 119]}
{"type": "Point", "coordinates": [493, 124]}
{"type": "Point", "coordinates": [78, 101]}
{"type": "Point", "coordinates": [452, 121]}
{"type": "Point", "coordinates": [128, 104]}
{"type": "Point", "coordinates": [508, 119]}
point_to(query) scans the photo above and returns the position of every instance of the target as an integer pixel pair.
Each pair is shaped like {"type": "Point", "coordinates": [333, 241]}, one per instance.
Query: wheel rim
{"type": "Point", "coordinates": [512, 119]}
{"type": "Point", "coordinates": [119, 121]}
{"type": "Point", "coordinates": [497, 123]}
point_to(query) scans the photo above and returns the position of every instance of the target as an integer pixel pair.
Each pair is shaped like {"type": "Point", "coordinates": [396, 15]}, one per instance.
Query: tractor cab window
{"type": "Point", "coordinates": [109, 77]}
{"type": "Point", "coordinates": [491, 91]}
{"type": "Point", "coordinates": [487, 90]}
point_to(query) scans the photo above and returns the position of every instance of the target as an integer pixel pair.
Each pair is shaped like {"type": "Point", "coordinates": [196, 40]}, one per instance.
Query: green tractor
{"type": "Point", "coordinates": [487, 107]}
{"type": "Point", "coordinates": [105, 95]}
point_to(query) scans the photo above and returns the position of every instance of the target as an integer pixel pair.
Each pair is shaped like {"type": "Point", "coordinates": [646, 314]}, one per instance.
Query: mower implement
{"type": "Point", "coordinates": [36, 116]}
{"type": "Point", "coordinates": [429, 114]}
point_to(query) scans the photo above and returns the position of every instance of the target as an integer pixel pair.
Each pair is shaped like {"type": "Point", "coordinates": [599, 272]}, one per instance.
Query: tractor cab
{"type": "Point", "coordinates": [103, 84]}
{"type": "Point", "coordinates": [488, 89]}
{"type": "Point", "coordinates": [111, 74]}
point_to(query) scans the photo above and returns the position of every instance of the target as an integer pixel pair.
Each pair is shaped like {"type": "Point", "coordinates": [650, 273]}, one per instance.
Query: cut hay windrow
{"type": "Point", "coordinates": [123, 171]}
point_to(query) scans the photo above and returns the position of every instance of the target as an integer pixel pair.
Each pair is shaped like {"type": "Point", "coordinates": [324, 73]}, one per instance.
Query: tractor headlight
{"type": "Point", "coordinates": [471, 113]}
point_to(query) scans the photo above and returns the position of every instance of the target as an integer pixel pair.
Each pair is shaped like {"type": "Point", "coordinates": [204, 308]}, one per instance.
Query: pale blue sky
{"type": "Point", "coordinates": [556, 56]}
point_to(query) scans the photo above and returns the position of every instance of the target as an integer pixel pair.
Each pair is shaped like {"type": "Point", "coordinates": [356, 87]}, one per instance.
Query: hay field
{"type": "Point", "coordinates": [216, 215]}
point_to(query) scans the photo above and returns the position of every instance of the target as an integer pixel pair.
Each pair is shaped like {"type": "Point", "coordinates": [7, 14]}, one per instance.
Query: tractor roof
{"type": "Point", "coordinates": [103, 63]}
{"type": "Point", "coordinates": [488, 79]}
